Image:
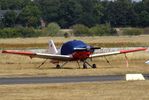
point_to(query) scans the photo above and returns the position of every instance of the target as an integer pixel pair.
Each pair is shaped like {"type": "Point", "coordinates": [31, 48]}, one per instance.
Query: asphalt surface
{"type": "Point", "coordinates": [71, 79]}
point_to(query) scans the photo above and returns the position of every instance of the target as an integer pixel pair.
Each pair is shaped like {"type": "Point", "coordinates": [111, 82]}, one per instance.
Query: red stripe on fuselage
{"type": "Point", "coordinates": [81, 55]}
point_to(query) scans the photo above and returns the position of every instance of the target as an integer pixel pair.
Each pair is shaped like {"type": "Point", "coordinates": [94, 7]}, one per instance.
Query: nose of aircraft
{"type": "Point", "coordinates": [81, 55]}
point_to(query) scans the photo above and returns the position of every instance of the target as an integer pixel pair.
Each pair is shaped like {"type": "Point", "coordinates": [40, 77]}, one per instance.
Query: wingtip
{"type": "Point", "coordinates": [4, 51]}
{"type": "Point", "coordinates": [17, 52]}
{"type": "Point", "coordinates": [134, 50]}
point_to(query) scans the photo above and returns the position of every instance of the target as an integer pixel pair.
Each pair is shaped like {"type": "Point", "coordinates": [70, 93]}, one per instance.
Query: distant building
{"type": "Point", "coordinates": [43, 23]}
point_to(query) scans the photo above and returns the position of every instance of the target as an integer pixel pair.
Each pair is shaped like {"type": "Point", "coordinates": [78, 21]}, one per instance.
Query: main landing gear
{"type": "Point", "coordinates": [60, 66]}
{"type": "Point", "coordinates": [85, 65]}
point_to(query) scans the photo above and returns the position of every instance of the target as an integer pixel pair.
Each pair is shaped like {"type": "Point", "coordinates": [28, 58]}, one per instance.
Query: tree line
{"type": "Point", "coordinates": [66, 13]}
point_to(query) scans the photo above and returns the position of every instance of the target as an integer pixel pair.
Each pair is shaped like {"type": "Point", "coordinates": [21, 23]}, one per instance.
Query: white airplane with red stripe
{"type": "Point", "coordinates": [74, 50]}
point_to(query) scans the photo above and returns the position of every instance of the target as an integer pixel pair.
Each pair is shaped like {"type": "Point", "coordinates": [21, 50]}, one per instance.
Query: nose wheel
{"type": "Point", "coordinates": [58, 66]}
{"type": "Point", "coordinates": [94, 66]}
{"type": "Point", "coordinates": [84, 66]}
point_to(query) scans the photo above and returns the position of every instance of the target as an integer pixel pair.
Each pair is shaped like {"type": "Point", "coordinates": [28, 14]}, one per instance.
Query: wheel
{"type": "Point", "coordinates": [58, 66]}
{"type": "Point", "coordinates": [94, 66]}
{"type": "Point", "coordinates": [84, 66]}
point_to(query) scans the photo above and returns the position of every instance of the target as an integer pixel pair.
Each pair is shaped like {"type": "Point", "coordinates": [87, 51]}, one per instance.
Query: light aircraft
{"type": "Point", "coordinates": [74, 50]}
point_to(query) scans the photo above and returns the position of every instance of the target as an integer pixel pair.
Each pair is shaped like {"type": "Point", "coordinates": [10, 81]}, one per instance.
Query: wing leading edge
{"type": "Point", "coordinates": [117, 52]}
{"type": "Point", "coordinates": [40, 55]}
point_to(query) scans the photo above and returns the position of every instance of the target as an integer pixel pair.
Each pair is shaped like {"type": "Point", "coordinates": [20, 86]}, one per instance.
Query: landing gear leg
{"type": "Point", "coordinates": [84, 66]}
{"type": "Point", "coordinates": [78, 64]}
{"type": "Point", "coordinates": [60, 66]}
{"type": "Point", "coordinates": [92, 66]}
{"type": "Point", "coordinates": [42, 64]}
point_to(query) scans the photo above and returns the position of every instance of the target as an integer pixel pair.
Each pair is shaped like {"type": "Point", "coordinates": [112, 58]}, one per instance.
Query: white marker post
{"type": "Point", "coordinates": [131, 77]}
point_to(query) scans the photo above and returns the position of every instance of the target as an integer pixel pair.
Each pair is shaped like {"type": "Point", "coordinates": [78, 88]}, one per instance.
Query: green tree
{"type": "Point", "coordinates": [92, 12]}
{"type": "Point", "coordinates": [13, 4]}
{"type": "Point", "coordinates": [69, 13]}
{"type": "Point", "coordinates": [144, 19]}
{"type": "Point", "coordinates": [119, 13]}
{"type": "Point", "coordinates": [146, 5]}
{"type": "Point", "coordinates": [10, 19]}
{"type": "Point", "coordinates": [30, 16]}
{"type": "Point", "coordinates": [49, 9]}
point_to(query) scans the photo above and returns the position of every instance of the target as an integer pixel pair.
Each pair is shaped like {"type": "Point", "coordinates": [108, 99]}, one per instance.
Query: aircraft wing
{"type": "Point", "coordinates": [40, 55]}
{"type": "Point", "coordinates": [117, 52]}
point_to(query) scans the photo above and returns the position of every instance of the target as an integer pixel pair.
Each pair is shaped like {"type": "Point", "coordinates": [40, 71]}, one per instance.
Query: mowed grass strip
{"type": "Point", "coordinates": [103, 41]}
{"type": "Point", "coordinates": [120, 90]}
{"type": "Point", "coordinates": [24, 66]}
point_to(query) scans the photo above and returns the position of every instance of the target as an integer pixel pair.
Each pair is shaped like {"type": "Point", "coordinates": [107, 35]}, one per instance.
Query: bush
{"type": "Point", "coordinates": [52, 29]}
{"type": "Point", "coordinates": [18, 32]}
{"type": "Point", "coordinates": [80, 30]}
{"type": "Point", "coordinates": [9, 33]}
{"type": "Point", "coordinates": [100, 30]}
{"type": "Point", "coordinates": [28, 32]}
{"type": "Point", "coordinates": [132, 31]}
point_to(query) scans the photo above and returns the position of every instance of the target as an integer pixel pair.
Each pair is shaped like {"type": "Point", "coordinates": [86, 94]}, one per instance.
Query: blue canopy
{"type": "Point", "coordinates": [68, 47]}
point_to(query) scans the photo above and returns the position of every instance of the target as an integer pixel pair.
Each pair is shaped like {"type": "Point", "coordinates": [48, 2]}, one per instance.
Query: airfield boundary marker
{"type": "Point", "coordinates": [131, 77]}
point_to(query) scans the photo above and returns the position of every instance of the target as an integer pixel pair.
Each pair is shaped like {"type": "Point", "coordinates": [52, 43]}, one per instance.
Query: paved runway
{"type": "Point", "coordinates": [71, 79]}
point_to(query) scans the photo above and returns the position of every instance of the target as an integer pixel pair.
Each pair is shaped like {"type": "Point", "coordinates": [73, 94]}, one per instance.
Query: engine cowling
{"type": "Point", "coordinates": [81, 55]}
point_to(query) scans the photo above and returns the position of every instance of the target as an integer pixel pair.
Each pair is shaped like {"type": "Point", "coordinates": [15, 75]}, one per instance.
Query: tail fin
{"type": "Point", "coordinates": [52, 48]}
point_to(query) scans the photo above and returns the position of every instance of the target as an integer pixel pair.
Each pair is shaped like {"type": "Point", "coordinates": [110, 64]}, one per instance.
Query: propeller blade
{"type": "Point", "coordinates": [96, 48]}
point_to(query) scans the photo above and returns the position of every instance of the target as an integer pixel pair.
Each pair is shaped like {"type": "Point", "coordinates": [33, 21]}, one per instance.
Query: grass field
{"type": "Point", "coordinates": [15, 65]}
{"type": "Point", "coordinates": [120, 90]}
{"type": "Point", "coordinates": [24, 66]}
{"type": "Point", "coordinates": [18, 66]}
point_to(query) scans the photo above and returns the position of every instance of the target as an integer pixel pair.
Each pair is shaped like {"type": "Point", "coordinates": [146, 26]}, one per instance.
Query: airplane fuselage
{"type": "Point", "coordinates": [69, 48]}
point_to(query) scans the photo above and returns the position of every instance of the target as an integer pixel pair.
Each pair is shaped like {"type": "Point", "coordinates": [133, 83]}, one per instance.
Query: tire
{"type": "Point", "coordinates": [94, 66]}
{"type": "Point", "coordinates": [58, 66]}
{"type": "Point", "coordinates": [84, 66]}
